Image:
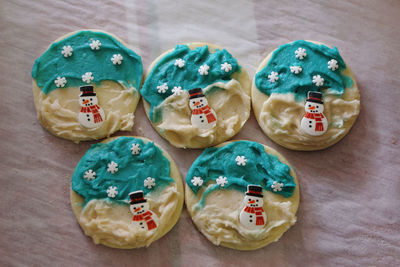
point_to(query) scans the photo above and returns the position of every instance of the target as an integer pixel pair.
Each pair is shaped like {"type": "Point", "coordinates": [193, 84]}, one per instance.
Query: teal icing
{"type": "Point", "coordinates": [52, 63]}
{"type": "Point", "coordinates": [186, 77]}
{"type": "Point", "coordinates": [315, 63]}
{"type": "Point", "coordinates": [132, 169]}
{"type": "Point", "coordinates": [261, 169]}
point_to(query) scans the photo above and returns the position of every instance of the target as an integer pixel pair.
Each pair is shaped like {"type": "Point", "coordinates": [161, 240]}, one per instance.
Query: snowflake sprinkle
{"type": "Point", "coordinates": [273, 77]}
{"type": "Point", "coordinates": [177, 90]}
{"type": "Point", "coordinates": [277, 186]}
{"type": "Point", "coordinates": [203, 70]}
{"type": "Point", "coordinates": [296, 69]}
{"type": "Point", "coordinates": [95, 45]}
{"type": "Point", "coordinates": [117, 59]}
{"type": "Point", "coordinates": [60, 81]}
{"type": "Point", "coordinates": [112, 191]}
{"type": "Point", "coordinates": [149, 182]}
{"type": "Point", "coordinates": [162, 88]}
{"type": "Point", "coordinates": [87, 77]}
{"type": "Point", "coordinates": [89, 175]}
{"type": "Point", "coordinates": [197, 181]}
{"type": "Point", "coordinates": [318, 80]}
{"type": "Point", "coordinates": [67, 51]}
{"type": "Point", "coordinates": [333, 64]}
{"type": "Point", "coordinates": [135, 148]}
{"type": "Point", "coordinates": [300, 53]}
{"type": "Point", "coordinates": [226, 67]}
{"type": "Point", "coordinates": [180, 63]}
{"type": "Point", "coordinates": [221, 181]}
{"type": "Point", "coordinates": [112, 167]}
{"type": "Point", "coordinates": [241, 160]}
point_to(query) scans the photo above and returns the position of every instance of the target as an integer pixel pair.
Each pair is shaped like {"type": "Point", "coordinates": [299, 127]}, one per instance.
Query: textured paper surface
{"type": "Point", "coordinates": [349, 212]}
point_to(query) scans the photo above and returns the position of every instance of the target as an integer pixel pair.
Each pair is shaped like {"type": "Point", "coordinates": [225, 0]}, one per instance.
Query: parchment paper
{"type": "Point", "coordinates": [349, 211]}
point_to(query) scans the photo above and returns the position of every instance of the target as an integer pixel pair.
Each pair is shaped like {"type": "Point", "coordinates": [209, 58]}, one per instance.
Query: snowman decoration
{"type": "Point", "coordinates": [314, 122]}
{"type": "Point", "coordinates": [91, 115]}
{"type": "Point", "coordinates": [142, 216]}
{"type": "Point", "coordinates": [253, 215]}
{"type": "Point", "coordinates": [203, 117]}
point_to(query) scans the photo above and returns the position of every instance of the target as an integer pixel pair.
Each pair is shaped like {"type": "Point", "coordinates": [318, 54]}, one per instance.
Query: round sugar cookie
{"type": "Point", "coordinates": [304, 96]}
{"type": "Point", "coordinates": [126, 192]}
{"type": "Point", "coordinates": [196, 95]}
{"type": "Point", "coordinates": [242, 195]}
{"type": "Point", "coordinates": [86, 86]}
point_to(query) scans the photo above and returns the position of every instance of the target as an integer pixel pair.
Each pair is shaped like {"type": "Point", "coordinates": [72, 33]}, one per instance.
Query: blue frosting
{"type": "Point", "coordinates": [132, 169]}
{"type": "Point", "coordinates": [315, 63]}
{"type": "Point", "coordinates": [260, 169]}
{"type": "Point", "coordinates": [53, 64]}
{"type": "Point", "coordinates": [186, 77]}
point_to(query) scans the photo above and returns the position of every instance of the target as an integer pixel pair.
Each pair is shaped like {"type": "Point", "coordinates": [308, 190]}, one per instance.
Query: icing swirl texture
{"type": "Point", "coordinates": [314, 63]}
{"type": "Point", "coordinates": [186, 73]}
{"type": "Point", "coordinates": [133, 170]}
{"type": "Point", "coordinates": [53, 64]}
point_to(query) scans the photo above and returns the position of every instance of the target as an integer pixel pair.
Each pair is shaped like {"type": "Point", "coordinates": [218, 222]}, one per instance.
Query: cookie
{"type": "Point", "coordinates": [196, 95]}
{"type": "Point", "coordinates": [86, 86]}
{"type": "Point", "coordinates": [304, 96]}
{"type": "Point", "coordinates": [126, 192]}
{"type": "Point", "coordinates": [242, 195]}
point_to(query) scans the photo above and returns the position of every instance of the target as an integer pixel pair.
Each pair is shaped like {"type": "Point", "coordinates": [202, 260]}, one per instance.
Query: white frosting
{"type": "Point", "coordinates": [111, 223]}
{"type": "Point", "coordinates": [58, 110]}
{"type": "Point", "coordinates": [231, 105]}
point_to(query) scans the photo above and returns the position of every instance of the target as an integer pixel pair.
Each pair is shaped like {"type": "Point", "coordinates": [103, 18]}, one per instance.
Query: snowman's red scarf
{"type": "Point", "coordinates": [206, 110]}
{"type": "Point", "coordinates": [95, 110]}
{"type": "Point", "coordinates": [319, 127]}
{"type": "Point", "coordinates": [147, 217]}
{"type": "Point", "coordinates": [258, 211]}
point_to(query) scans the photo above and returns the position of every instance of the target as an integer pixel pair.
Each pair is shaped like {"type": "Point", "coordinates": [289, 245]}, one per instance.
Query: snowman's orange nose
{"type": "Point", "coordinates": [85, 101]}
{"type": "Point", "coordinates": [197, 103]}
{"type": "Point", "coordinates": [312, 108]}
{"type": "Point", "coordinates": [252, 201]}
{"type": "Point", "coordinates": [137, 209]}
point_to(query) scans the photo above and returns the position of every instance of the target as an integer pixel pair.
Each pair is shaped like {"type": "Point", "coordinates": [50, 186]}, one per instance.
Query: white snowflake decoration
{"type": "Point", "coordinates": [60, 81]}
{"type": "Point", "coordinates": [226, 67]}
{"type": "Point", "coordinates": [67, 51]}
{"type": "Point", "coordinates": [112, 167]}
{"type": "Point", "coordinates": [89, 175]}
{"type": "Point", "coordinates": [203, 70]}
{"type": "Point", "coordinates": [300, 53]}
{"type": "Point", "coordinates": [112, 191]}
{"type": "Point", "coordinates": [273, 77]}
{"type": "Point", "coordinates": [277, 186]}
{"type": "Point", "coordinates": [162, 88]}
{"type": "Point", "coordinates": [149, 182]}
{"type": "Point", "coordinates": [333, 64]}
{"type": "Point", "coordinates": [296, 69]}
{"type": "Point", "coordinates": [95, 45]}
{"type": "Point", "coordinates": [177, 90]}
{"type": "Point", "coordinates": [117, 59]}
{"type": "Point", "coordinates": [87, 77]}
{"type": "Point", "coordinates": [197, 181]}
{"type": "Point", "coordinates": [241, 160]}
{"type": "Point", "coordinates": [318, 80]}
{"type": "Point", "coordinates": [135, 148]}
{"type": "Point", "coordinates": [221, 181]}
{"type": "Point", "coordinates": [180, 63]}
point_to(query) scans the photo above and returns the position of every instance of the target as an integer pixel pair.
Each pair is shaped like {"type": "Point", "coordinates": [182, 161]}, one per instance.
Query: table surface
{"type": "Point", "coordinates": [349, 212]}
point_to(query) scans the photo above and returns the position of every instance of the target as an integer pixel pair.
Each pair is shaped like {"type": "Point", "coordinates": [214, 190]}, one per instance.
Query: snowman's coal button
{"type": "Point", "coordinates": [251, 216]}
{"type": "Point", "coordinates": [309, 126]}
{"type": "Point", "coordinates": [250, 220]}
{"type": "Point", "coordinates": [202, 120]}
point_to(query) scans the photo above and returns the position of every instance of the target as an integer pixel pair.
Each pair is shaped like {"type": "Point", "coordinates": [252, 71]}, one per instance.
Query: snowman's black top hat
{"type": "Point", "coordinates": [315, 97]}
{"type": "Point", "coordinates": [254, 190]}
{"type": "Point", "coordinates": [87, 90]}
{"type": "Point", "coordinates": [196, 92]}
{"type": "Point", "coordinates": [137, 197]}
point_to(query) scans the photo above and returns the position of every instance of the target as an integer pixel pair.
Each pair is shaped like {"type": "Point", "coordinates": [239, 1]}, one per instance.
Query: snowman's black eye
{"type": "Point", "coordinates": [249, 199]}
{"type": "Point", "coordinates": [257, 200]}
{"type": "Point", "coordinates": [142, 206]}
{"type": "Point", "coordinates": [309, 105]}
{"type": "Point", "coordinates": [90, 99]}
{"type": "Point", "coordinates": [201, 100]}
